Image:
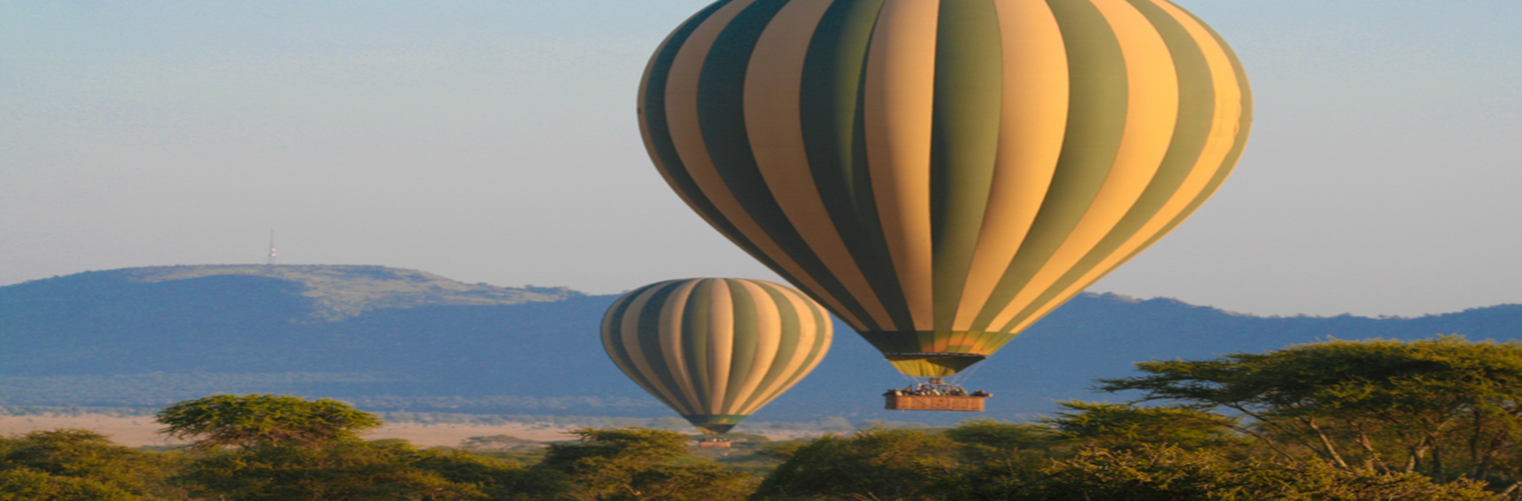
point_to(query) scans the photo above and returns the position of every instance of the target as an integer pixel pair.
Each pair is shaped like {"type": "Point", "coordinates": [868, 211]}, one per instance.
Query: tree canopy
{"type": "Point", "coordinates": [249, 420]}
{"type": "Point", "coordinates": [636, 464]}
{"type": "Point", "coordinates": [1445, 407]}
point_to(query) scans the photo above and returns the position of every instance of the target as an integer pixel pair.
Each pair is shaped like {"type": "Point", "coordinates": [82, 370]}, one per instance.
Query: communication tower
{"type": "Point", "coordinates": [273, 260]}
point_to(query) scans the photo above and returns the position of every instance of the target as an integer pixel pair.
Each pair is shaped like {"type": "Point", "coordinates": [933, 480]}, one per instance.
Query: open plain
{"type": "Point", "coordinates": [141, 431]}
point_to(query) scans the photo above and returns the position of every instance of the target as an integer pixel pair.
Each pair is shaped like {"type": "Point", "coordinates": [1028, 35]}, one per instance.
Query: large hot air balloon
{"type": "Point", "coordinates": [716, 349]}
{"type": "Point", "coordinates": [942, 173]}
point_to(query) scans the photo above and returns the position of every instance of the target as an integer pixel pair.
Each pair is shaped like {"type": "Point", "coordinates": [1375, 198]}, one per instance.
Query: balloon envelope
{"type": "Point", "coordinates": [940, 174]}
{"type": "Point", "coordinates": [716, 349]}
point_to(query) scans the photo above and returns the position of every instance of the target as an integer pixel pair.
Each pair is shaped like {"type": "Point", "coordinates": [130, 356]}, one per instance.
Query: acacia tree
{"type": "Point", "coordinates": [1169, 473]}
{"type": "Point", "coordinates": [345, 470]}
{"type": "Point", "coordinates": [1122, 426]}
{"type": "Point", "coordinates": [873, 463]}
{"type": "Point", "coordinates": [263, 419]}
{"type": "Point", "coordinates": [25, 484]}
{"type": "Point", "coordinates": [81, 464]}
{"type": "Point", "coordinates": [639, 464]}
{"type": "Point", "coordinates": [283, 448]}
{"type": "Point", "coordinates": [1445, 407]}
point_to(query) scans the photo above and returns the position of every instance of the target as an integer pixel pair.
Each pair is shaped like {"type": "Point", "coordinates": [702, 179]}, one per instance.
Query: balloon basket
{"type": "Point", "coordinates": [956, 404]}
{"type": "Point", "coordinates": [714, 443]}
{"type": "Point", "coordinates": [934, 396]}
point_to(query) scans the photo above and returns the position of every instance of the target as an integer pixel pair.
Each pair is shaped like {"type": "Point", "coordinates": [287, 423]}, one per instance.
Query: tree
{"type": "Point", "coordinates": [1169, 473]}
{"type": "Point", "coordinates": [347, 470]}
{"type": "Point", "coordinates": [998, 460]}
{"type": "Point", "coordinates": [72, 460]}
{"type": "Point", "coordinates": [26, 484]}
{"type": "Point", "coordinates": [1124, 426]}
{"type": "Point", "coordinates": [500, 480]}
{"type": "Point", "coordinates": [1445, 407]}
{"type": "Point", "coordinates": [1143, 473]}
{"type": "Point", "coordinates": [1003, 435]}
{"type": "Point", "coordinates": [639, 464]}
{"type": "Point", "coordinates": [873, 463]}
{"type": "Point", "coordinates": [250, 420]}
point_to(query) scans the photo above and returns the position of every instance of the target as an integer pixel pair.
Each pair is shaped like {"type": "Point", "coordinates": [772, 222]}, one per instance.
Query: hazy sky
{"type": "Point", "coordinates": [496, 142]}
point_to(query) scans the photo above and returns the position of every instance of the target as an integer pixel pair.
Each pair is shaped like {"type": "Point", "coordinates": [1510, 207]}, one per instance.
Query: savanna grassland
{"type": "Point", "coordinates": [1436, 419]}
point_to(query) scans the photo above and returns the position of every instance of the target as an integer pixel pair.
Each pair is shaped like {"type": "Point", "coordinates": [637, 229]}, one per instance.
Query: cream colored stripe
{"type": "Point", "coordinates": [768, 341]}
{"type": "Point", "coordinates": [899, 103]}
{"type": "Point", "coordinates": [671, 333]}
{"type": "Point", "coordinates": [721, 343]}
{"type": "Point", "coordinates": [1031, 129]}
{"type": "Point", "coordinates": [813, 356]}
{"type": "Point", "coordinates": [687, 135]}
{"type": "Point", "coordinates": [612, 339]}
{"type": "Point", "coordinates": [806, 337]}
{"type": "Point", "coordinates": [655, 158]}
{"type": "Point", "coordinates": [610, 326]}
{"type": "Point", "coordinates": [773, 83]}
{"type": "Point", "coordinates": [824, 337]}
{"type": "Point", "coordinates": [631, 340]}
{"type": "Point", "coordinates": [1223, 133]}
{"type": "Point", "coordinates": [1151, 113]}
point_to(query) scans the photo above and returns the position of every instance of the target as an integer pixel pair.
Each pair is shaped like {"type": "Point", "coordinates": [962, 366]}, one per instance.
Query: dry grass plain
{"type": "Point", "coordinates": [140, 431]}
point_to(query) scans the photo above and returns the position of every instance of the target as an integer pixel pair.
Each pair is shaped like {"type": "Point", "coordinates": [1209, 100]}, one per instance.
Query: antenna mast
{"type": "Point", "coordinates": [273, 260]}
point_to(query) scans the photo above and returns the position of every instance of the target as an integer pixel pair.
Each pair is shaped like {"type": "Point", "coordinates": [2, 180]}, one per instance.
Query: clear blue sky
{"type": "Point", "coordinates": [495, 142]}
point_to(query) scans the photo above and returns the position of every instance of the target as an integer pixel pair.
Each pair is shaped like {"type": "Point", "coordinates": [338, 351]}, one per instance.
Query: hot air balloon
{"type": "Point", "coordinates": [940, 174]}
{"type": "Point", "coordinates": [716, 349]}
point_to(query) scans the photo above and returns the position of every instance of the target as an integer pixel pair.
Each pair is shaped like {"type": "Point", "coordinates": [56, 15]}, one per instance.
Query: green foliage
{"type": "Point", "coordinates": [1321, 481]}
{"type": "Point", "coordinates": [73, 460]}
{"type": "Point", "coordinates": [873, 463]}
{"type": "Point", "coordinates": [1445, 407]}
{"type": "Point", "coordinates": [633, 444]}
{"type": "Point", "coordinates": [288, 448]}
{"type": "Point", "coordinates": [991, 448]}
{"type": "Point", "coordinates": [497, 479]}
{"type": "Point", "coordinates": [349, 470]}
{"type": "Point", "coordinates": [1123, 426]}
{"type": "Point", "coordinates": [867, 467]}
{"type": "Point", "coordinates": [640, 464]}
{"type": "Point", "coordinates": [265, 419]}
{"type": "Point", "coordinates": [1143, 474]}
{"type": "Point", "coordinates": [1169, 473]}
{"type": "Point", "coordinates": [71, 452]}
{"type": "Point", "coordinates": [25, 484]}
{"type": "Point", "coordinates": [1002, 435]}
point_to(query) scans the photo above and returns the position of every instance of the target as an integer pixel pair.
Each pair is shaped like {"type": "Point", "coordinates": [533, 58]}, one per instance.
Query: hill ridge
{"type": "Point", "coordinates": [401, 340]}
{"type": "Point", "coordinates": [345, 291]}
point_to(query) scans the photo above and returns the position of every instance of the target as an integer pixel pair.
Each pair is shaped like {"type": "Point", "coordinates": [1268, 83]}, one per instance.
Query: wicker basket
{"type": "Point", "coordinates": [934, 403]}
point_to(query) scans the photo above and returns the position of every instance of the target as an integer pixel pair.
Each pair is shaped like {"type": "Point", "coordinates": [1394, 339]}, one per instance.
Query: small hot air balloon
{"type": "Point", "coordinates": [940, 174]}
{"type": "Point", "coordinates": [716, 349]}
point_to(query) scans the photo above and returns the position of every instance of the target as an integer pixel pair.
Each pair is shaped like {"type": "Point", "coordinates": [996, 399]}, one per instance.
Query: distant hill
{"type": "Point", "coordinates": [392, 339]}
{"type": "Point", "coordinates": [332, 292]}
